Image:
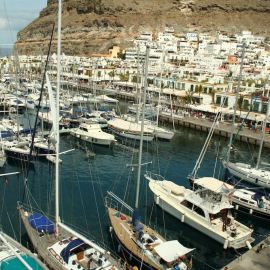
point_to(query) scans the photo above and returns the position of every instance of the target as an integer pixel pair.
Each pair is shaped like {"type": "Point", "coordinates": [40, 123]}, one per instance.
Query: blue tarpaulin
{"type": "Point", "coordinates": [6, 134]}
{"type": "Point", "coordinates": [65, 253]}
{"type": "Point", "coordinates": [41, 223]}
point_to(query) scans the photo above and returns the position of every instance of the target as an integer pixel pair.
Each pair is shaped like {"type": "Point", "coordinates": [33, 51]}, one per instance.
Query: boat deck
{"type": "Point", "coordinates": [41, 242]}
{"type": "Point", "coordinates": [124, 232]}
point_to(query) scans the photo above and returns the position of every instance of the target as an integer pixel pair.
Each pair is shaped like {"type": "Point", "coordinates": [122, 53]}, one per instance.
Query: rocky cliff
{"type": "Point", "coordinates": [93, 26]}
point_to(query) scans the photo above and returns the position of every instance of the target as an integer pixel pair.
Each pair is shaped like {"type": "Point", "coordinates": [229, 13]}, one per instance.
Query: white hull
{"type": "Point", "coordinates": [131, 136]}
{"type": "Point", "coordinates": [173, 206]}
{"type": "Point", "coordinates": [247, 173]}
{"type": "Point", "coordinates": [3, 160]}
{"type": "Point", "coordinates": [92, 133]}
{"type": "Point", "coordinates": [90, 139]}
{"type": "Point", "coordinates": [162, 133]}
{"type": "Point", "coordinates": [30, 106]}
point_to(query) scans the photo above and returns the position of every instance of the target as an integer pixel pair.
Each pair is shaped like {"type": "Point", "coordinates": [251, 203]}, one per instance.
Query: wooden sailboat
{"type": "Point", "coordinates": [57, 244]}
{"type": "Point", "coordinates": [137, 239]}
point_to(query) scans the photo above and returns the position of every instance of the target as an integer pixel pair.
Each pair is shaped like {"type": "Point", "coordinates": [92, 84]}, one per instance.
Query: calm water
{"type": "Point", "coordinates": [84, 183]}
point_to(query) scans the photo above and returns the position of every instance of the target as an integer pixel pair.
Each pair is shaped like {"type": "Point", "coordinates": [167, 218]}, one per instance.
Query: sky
{"type": "Point", "coordinates": [15, 15]}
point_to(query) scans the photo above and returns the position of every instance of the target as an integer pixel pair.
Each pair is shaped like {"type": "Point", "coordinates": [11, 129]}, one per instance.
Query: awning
{"type": "Point", "coordinates": [171, 250]}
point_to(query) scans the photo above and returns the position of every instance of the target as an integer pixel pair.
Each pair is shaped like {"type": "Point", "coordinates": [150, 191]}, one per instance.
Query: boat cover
{"type": "Point", "coordinates": [174, 188]}
{"type": "Point", "coordinates": [6, 134]}
{"type": "Point", "coordinates": [65, 253]}
{"type": "Point", "coordinates": [171, 250]}
{"type": "Point", "coordinates": [13, 263]}
{"type": "Point", "coordinates": [41, 223]}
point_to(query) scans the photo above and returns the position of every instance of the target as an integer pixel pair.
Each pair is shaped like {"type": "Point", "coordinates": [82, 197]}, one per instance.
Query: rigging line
{"type": "Point", "coordinates": [214, 172]}
{"type": "Point", "coordinates": [97, 208]}
{"type": "Point", "coordinates": [11, 225]}
{"type": "Point", "coordinates": [40, 98]}
{"type": "Point", "coordinates": [3, 199]}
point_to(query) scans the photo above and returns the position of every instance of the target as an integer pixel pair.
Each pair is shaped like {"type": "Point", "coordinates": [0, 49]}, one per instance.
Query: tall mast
{"type": "Point", "coordinates": [160, 89]}
{"type": "Point", "coordinates": [142, 126]}
{"type": "Point", "coordinates": [138, 92]}
{"type": "Point", "coordinates": [263, 134]}
{"type": "Point", "coordinates": [236, 100]}
{"type": "Point", "coordinates": [57, 118]}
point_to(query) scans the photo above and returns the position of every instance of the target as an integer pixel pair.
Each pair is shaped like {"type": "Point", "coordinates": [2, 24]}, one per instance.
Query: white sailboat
{"type": "Point", "coordinates": [57, 244]}
{"type": "Point", "coordinates": [252, 174]}
{"type": "Point", "coordinates": [148, 247]}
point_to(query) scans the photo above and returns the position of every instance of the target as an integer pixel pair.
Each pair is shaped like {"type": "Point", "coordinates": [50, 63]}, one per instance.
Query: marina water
{"type": "Point", "coordinates": [86, 178]}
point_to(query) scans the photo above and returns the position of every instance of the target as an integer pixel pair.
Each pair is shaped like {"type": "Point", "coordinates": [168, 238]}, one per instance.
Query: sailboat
{"type": "Point", "coordinates": [15, 256]}
{"type": "Point", "coordinates": [58, 245]}
{"type": "Point", "coordinates": [255, 175]}
{"type": "Point", "coordinates": [148, 247]}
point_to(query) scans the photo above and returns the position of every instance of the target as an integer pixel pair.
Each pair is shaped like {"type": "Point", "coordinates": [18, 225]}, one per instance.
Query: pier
{"type": "Point", "coordinates": [257, 258]}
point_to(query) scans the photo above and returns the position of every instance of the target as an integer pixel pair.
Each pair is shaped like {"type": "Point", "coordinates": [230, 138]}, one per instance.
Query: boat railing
{"type": "Point", "coordinates": [112, 201]}
{"type": "Point", "coordinates": [153, 176]}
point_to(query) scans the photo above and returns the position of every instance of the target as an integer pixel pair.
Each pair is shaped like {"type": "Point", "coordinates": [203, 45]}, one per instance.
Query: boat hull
{"type": "Point", "coordinates": [254, 211]}
{"type": "Point", "coordinates": [244, 175]}
{"type": "Point", "coordinates": [127, 240]}
{"type": "Point", "coordinates": [126, 135]}
{"type": "Point", "coordinates": [87, 138]}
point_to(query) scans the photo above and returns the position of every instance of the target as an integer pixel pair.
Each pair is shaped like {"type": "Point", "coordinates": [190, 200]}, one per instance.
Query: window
{"type": "Point", "coordinates": [187, 204]}
{"type": "Point", "coordinates": [199, 211]}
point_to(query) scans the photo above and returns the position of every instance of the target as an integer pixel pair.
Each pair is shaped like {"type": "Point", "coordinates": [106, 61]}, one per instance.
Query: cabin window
{"type": "Point", "coordinates": [199, 211]}
{"type": "Point", "coordinates": [187, 204]}
{"type": "Point", "coordinates": [84, 129]}
{"type": "Point", "coordinates": [243, 200]}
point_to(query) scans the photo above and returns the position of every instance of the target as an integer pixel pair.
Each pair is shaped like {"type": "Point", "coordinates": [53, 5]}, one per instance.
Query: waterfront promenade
{"type": "Point", "coordinates": [222, 128]}
{"type": "Point", "coordinates": [254, 259]}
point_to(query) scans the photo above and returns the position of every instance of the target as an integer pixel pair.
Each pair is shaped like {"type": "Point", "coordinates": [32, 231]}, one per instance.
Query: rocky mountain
{"type": "Point", "coordinates": [93, 26]}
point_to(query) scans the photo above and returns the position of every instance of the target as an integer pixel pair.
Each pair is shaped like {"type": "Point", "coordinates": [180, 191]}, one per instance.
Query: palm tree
{"type": "Point", "coordinates": [213, 93]}
{"type": "Point", "coordinates": [240, 103]}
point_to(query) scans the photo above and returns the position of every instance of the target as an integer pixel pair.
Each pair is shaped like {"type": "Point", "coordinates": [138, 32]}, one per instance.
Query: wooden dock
{"type": "Point", "coordinates": [252, 259]}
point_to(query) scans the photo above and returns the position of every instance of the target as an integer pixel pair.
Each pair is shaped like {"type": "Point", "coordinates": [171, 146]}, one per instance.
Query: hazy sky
{"type": "Point", "coordinates": [15, 15]}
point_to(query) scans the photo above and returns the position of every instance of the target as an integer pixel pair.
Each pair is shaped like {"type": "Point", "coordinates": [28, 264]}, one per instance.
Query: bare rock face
{"type": "Point", "coordinates": [93, 26]}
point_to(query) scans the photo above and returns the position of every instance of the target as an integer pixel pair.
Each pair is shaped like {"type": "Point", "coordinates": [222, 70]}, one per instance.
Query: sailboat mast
{"type": "Point", "coordinates": [263, 133]}
{"type": "Point", "coordinates": [142, 126]}
{"type": "Point", "coordinates": [161, 86]}
{"type": "Point", "coordinates": [138, 92]}
{"type": "Point", "coordinates": [57, 118]}
{"type": "Point", "coordinates": [236, 100]}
